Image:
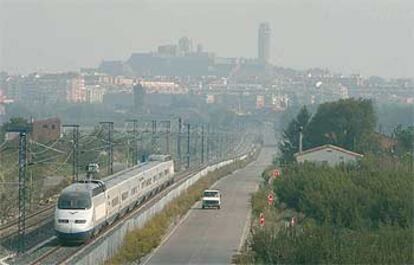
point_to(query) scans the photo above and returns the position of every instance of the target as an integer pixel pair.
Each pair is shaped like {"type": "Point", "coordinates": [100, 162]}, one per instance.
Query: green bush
{"type": "Point", "coordinates": [347, 215]}
{"type": "Point", "coordinates": [352, 197]}
{"type": "Point", "coordinates": [325, 244]}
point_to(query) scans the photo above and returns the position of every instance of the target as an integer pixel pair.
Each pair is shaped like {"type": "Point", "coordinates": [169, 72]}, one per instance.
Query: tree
{"type": "Point", "coordinates": [346, 123]}
{"type": "Point", "coordinates": [16, 122]}
{"type": "Point", "coordinates": [290, 136]}
{"type": "Point", "coordinates": [13, 123]}
{"type": "Point", "coordinates": [405, 138]}
{"type": "Point", "coordinates": [405, 142]}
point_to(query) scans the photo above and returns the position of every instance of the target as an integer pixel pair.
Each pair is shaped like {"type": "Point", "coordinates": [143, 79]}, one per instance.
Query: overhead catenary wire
{"type": "Point", "coordinates": [64, 163]}
{"type": "Point", "coordinates": [46, 147]}
{"type": "Point", "coordinates": [45, 159]}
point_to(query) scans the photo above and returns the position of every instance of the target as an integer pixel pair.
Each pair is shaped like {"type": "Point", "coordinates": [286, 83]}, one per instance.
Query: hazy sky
{"type": "Point", "coordinates": [349, 36]}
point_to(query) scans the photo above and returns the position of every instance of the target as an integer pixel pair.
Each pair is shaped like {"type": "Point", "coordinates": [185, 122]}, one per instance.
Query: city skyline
{"type": "Point", "coordinates": [367, 37]}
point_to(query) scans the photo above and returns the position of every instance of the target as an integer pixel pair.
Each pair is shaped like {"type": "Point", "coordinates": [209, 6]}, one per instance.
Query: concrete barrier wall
{"type": "Point", "coordinates": [108, 246]}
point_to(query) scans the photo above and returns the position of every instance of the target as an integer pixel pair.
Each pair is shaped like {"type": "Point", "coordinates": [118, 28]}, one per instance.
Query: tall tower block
{"type": "Point", "coordinates": [264, 43]}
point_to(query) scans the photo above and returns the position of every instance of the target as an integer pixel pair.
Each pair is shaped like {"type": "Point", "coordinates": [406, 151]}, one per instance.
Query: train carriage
{"type": "Point", "coordinates": [85, 207]}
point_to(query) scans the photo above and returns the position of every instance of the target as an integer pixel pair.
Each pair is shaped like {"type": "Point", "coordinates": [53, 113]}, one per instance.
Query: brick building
{"type": "Point", "coordinates": [46, 130]}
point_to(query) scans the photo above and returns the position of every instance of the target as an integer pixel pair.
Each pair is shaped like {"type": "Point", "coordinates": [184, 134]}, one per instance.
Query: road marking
{"type": "Point", "coordinates": [168, 236]}
{"type": "Point", "coordinates": [182, 220]}
{"type": "Point", "coordinates": [245, 231]}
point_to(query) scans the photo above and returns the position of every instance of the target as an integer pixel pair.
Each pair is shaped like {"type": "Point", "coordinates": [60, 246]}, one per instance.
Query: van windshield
{"type": "Point", "coordinates": [211, 194]}
{"type": "Point", "coordinates": [74, 200]}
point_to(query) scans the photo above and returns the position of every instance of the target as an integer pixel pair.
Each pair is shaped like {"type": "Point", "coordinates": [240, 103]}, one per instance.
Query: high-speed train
{"type": "Point", "coordinates": [85, 207]}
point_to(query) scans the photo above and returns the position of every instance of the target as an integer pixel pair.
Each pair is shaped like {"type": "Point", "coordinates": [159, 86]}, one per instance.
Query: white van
{"type": "Point", "coordinates": [211, 199]}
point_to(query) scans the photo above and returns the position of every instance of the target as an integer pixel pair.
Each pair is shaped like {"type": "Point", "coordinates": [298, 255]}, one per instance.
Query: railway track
{"type": "Point", "coordinates": [54, 253]}
{"type": "Point", "coordinates": [33, 220]}
{"type": "Point", "coordinates": [46, 255]}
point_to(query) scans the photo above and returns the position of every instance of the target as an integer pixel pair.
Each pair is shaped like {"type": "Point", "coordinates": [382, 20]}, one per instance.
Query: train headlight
{"type": "Point", "coordinates": [64, 221]}
{"type": "Point", "coordinates": [80, 221]}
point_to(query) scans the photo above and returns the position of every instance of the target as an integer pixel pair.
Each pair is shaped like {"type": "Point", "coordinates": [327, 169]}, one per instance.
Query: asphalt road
{"type": "Point", "coordinates": [212, 236]}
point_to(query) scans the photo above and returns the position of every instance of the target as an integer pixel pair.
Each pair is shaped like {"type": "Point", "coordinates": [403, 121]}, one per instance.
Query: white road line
{"type": "Point", "coordinates": [166, 238]}
{"type": "Point", "coordinates": [245, 231]}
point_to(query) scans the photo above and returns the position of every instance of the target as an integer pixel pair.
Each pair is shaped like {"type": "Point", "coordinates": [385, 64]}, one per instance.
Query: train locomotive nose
{"type": "Point", "coordinates": [73, 226]}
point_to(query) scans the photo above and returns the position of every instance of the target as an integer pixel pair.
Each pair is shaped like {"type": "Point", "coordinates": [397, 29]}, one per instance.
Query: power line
{"type": "Point", "coordinates": [75, 151]}
{"type": "Point", "coordinates": [47, 147]}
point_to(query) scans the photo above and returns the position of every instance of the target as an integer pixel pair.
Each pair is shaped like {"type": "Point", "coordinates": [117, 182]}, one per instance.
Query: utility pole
{"type": "Point", "coordinates": [221, 144]}
{"type": "Point", "coordinates": [300, 139]}
{"type": "Point", "coordinates": [213, 144]}
{"type": "Point", "coordinates": [208, 143]}
{"type": "Point", "coordinates": [22, 188]}
{"type": "Point", "coordinates": [110, 126]}
{"type": "Point", "coordinates": [412, 159]}
{"type": "Point", "coordinates": [75, 150]}
{"type": "Point", "coordinates": [22, 185]}
{"type": "Point", "coordinates": [167, 136]}
{"type": "Point", "coordinates": [135, 132]}
{"type": "Point", "coordinates": [179, 141]}
{"type": "Point", "coordinates": [141, 140]}
{"type": "Point", "coordinates": [188, 145]}
{"type": "Point", "coordinates": [202, 144]}
{"type": "Point", "coordinates": [194, 136]}
{"type": "Point", "coordinates": [154, 135]}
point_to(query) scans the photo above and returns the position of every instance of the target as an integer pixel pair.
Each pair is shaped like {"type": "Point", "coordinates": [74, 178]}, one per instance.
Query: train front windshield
{"type": "Point", "coordinates": [74, 201]}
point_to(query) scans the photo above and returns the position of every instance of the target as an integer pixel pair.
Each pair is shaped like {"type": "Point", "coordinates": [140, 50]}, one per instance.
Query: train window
{"type": "Point", "coordinates": [97, 190]}
{"type": "Point", "coordinates": [124, 196]}
{"type": "Point", "coordinates": [146, 183]}
{"type": "Point", "coordinates": [134, 190]}
{"type": "Point", "coordinates": [75, 200]}
{"type": "Point", "coordinates": [114, 201]}
{"type": "Point", "coordinates": [166, 172]}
